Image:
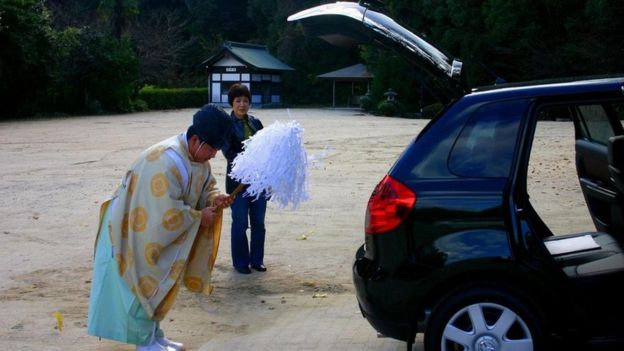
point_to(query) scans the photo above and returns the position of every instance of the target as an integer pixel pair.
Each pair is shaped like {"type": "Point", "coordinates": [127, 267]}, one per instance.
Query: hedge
{"type": "Point", "coordinates": [174, 98]}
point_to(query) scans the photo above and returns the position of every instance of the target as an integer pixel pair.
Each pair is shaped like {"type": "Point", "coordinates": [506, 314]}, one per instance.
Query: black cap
{"type": "Point", "coordinates": [212, 125]}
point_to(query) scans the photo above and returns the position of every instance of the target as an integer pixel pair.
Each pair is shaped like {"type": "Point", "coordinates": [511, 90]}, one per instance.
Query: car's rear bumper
{"type": "Point", "coordinates": [398, 324]}
{"type": "Point", "coordinates": [399, 331]}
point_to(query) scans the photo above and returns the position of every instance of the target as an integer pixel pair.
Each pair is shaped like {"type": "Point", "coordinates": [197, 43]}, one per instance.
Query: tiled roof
{"type": "Point", "coordinates": [253, 55]}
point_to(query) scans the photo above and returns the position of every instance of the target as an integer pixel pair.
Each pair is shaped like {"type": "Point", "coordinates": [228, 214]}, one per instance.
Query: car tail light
{"type": "Point", "coordinates": [390, 203]}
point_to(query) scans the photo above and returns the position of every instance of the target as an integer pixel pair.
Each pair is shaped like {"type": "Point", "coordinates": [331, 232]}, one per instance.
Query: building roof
{"type": "Point", "coordinates": [351, 73]}
{"type": "Point", "coordinates": [252, 55]}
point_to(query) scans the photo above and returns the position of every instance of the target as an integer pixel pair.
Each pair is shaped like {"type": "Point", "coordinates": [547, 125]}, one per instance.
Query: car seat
{"type": "Point", "coordinates": [616, 161]}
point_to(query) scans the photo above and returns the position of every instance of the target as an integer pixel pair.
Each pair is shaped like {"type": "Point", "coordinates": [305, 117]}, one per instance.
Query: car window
{"type": "Point", "coordinates": [596, 126]}
{"type": "Point", "coordinates": [486, 145]}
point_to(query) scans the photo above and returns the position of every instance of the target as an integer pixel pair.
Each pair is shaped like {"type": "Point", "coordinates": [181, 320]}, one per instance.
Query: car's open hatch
{"type": "Point", "coordinates": [349, 23]}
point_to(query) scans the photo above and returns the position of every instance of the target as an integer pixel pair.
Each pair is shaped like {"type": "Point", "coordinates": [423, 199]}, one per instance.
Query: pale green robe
{"type": "Point", "coordinates": [149, 240]}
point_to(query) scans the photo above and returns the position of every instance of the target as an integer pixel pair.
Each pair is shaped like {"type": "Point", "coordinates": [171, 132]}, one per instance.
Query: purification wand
{"type": "Point", "coordinates": [274, 164]}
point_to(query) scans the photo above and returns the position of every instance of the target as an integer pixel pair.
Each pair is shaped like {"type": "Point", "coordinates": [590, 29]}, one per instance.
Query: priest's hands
{"type": "Point", "coordinates": [224, 201]}
{"type": "Point", "coordinates": [208, 213]}
{"type": "Point", "coordinates": [208, 216]}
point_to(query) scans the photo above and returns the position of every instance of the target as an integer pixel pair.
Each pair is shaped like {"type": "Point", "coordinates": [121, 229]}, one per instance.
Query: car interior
{"type": "Point", "coordinates": [616, 164]}
{"type": "Point", "coordinates": [598, 138]}
{"type": "Point", "coordinates": [588, 232]}
{"type": "Point", "coordinates": [594, 126]}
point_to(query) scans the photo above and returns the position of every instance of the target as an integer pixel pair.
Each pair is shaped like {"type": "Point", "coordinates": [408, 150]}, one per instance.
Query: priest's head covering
{"type": "Point", "coordinates": [212, 125]}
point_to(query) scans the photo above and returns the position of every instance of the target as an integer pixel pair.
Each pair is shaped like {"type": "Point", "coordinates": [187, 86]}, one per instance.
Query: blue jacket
{"type": "Point", "coordinates": [235, 145]}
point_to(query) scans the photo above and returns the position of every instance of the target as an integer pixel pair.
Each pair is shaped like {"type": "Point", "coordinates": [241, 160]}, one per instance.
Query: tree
{"type": "Point", "coordinates": [102, 71]}
{"type": "Point", "coordinates": [160, 38]}
{"type": "Point", "coordinates": [119, 12]}
{"type": "Point", "coordinates": [26, 39]}
{"type": "Point", "coordinates": [595, 34]}
{"type": "Point", "coordinates": [73, 13]}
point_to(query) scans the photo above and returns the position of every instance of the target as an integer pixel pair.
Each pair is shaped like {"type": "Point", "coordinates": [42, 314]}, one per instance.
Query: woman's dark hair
{"type": "Point", "coordinates": [238, 90]}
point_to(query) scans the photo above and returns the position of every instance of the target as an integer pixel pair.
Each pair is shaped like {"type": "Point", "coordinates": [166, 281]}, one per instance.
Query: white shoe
{"type": "Point", "coordinates": [155, 346]}
{"type": "Point", "coordinates": [173, 345]}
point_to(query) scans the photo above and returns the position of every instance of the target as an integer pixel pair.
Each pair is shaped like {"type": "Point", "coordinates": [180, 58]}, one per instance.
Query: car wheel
{"type": "Point", "coordinates": [483, 319]}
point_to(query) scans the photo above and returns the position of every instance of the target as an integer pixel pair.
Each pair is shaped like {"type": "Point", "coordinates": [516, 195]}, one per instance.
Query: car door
{"type": "Point", "coordinates": [595, 123]}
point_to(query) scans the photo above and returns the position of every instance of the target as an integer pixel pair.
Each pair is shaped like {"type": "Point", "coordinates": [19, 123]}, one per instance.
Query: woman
{"type": "Point", "coordinates": [246, 211]}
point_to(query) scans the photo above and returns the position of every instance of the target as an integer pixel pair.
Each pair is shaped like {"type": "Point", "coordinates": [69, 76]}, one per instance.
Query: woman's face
{"type": "Point", "coordinates": [240, 106]}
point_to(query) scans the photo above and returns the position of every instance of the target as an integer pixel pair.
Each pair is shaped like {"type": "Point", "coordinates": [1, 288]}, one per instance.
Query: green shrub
{"type": "Point", "coordinates": [387, 108]}
{"type": "Point", "coordinates": [174, 98]}
{"type": "Point", "coordinates": [432, 110]}
{"type": "Point", "coordinates": [366, 103]}
{"type": "Point", "coordinates": [139, 105]}
{"type": "Point", "coordinates": [391, 108]}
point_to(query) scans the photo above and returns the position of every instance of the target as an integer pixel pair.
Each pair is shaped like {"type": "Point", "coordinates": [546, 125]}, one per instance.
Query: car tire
{"type": "Point", "coordinates": [484, 318]}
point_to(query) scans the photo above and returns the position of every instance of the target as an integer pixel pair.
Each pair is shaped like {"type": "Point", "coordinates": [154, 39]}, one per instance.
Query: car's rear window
{"type": "Point", "coordinates": [485, 147]}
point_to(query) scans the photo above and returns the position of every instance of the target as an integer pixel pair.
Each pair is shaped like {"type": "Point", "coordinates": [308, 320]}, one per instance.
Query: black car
{"type": "Point", "coordinates": [454, 246]}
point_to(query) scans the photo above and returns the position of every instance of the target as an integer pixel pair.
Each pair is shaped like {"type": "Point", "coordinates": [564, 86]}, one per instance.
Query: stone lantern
{"type": "Point", "coordinates": [390, 95]}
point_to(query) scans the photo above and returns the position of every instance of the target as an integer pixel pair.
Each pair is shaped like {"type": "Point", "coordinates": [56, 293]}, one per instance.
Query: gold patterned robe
{"type": "Point", "coordinates": [155, 225]}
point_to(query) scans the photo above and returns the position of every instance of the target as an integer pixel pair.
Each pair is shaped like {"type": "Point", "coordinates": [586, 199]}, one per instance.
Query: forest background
{"type": "Point", "coordinates": [93, 56]}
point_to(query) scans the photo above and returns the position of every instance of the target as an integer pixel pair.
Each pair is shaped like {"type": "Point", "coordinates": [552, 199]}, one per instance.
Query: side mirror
{"type": "Point", "coordinates": [616, 161]}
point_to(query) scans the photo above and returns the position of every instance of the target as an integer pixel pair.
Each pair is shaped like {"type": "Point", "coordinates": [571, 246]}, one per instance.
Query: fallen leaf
{"type": "Point", "coordinates": [59, 320]}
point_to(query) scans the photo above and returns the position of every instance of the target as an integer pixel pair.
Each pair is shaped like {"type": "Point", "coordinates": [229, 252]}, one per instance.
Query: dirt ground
{"type": "Point", "coordinates": [54, 174]}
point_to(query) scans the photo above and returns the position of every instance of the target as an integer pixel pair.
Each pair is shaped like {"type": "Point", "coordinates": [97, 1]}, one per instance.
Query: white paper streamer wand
{"type": "Point", "coordinates": [274, 162]}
